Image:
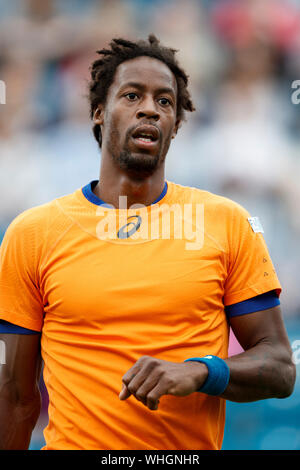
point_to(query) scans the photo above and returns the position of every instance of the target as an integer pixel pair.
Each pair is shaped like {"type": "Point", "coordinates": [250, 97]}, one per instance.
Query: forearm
{"type": "Point", "coordinates": [263, 371]}
{"type": "Point", "coordinates": [17, 421]}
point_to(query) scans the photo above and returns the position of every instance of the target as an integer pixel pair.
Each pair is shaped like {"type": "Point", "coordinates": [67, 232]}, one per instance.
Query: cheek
{"type": "Point", "coordinates": [170, 124]}
{"type": "Point", "coordinates": [112, 127]}
{"type": "Point", "coordinates": [169, 133]}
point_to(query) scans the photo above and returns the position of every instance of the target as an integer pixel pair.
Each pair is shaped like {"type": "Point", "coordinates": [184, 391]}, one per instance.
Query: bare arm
{"type": "Point", "coordinates": [264, 370]}
{"type": "Point", "coordinates": [20, 400]}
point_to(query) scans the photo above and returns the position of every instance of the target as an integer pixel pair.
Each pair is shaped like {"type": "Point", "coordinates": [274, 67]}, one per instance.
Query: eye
{"type": "Point", "coordinates": [164, 101]}
{"type": "Point", "coordinates": [131, 96]}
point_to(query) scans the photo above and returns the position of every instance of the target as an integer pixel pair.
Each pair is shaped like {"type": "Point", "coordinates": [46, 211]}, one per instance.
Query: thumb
{"type": "Point", "coordinates": [125, 393]}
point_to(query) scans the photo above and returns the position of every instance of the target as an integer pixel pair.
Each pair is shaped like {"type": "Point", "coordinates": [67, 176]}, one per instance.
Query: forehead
{"type": "Point", "coordinates": [147, 71]}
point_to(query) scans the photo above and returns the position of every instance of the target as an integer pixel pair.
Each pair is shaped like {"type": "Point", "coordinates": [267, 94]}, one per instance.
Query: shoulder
{"type": "Point", "coordinates": [211, 201]}
{"type": "Point", "coordinates": [35, 222]}
{"type": "Point", "coordinates": [35, 218]}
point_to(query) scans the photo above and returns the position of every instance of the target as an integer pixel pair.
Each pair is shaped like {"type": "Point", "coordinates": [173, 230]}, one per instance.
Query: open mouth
{"type": "Point", "coordinates": [146, 136]}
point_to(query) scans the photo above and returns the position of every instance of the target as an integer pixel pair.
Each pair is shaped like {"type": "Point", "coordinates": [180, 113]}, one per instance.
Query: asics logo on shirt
{"type": "Point", "coordinates": [123, 233]}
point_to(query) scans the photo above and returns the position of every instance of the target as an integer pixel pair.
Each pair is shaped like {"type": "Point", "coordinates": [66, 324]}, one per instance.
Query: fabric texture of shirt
{"type": "Point", "coordinates": [106, 286]}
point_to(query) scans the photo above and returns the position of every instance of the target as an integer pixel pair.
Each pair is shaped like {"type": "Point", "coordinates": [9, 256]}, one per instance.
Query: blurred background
{"type": "Point", "coordinates": [243, 141]}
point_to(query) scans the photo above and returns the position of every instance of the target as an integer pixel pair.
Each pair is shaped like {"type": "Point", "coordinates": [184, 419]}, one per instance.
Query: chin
{"type": "Point", "coordinates": [139, 163]}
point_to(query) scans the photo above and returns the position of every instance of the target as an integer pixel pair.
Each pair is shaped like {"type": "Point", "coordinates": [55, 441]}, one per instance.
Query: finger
{"type": "Point", "coordinates": [145, 387]}
{"type": "Point", "coordinates": [133, 371]}
{"type": "Point", "coordinates": [131, 387]}
{"type": "Point", "coordinates": [136, 383]}
{"type": "Point", "coordinates": [136, 375]}
{"type": "Point", "coordinates": [125, 393]}
{"type": "Point", "coordinates": [145, 369]}
{"type": "Point", "coordinates": [130, 374]}
{"type": "Point", "coordinates": [154, 395]}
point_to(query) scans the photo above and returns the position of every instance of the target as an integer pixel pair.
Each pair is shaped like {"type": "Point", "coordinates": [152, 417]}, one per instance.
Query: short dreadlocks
{"type": "Point", "coordinates": [121, 50]}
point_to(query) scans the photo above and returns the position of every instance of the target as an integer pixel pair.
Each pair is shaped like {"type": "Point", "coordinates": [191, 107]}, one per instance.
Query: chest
{"type": "Point", "coordinates": [92, 280]}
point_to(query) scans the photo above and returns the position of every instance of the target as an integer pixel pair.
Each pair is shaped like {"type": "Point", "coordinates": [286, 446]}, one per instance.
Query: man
{"type": "Point", "coordinates": [116, 291]}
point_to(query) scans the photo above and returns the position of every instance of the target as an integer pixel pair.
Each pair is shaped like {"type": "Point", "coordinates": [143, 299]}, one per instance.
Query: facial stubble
{"type": "Point", "coordinates": [139, 165]}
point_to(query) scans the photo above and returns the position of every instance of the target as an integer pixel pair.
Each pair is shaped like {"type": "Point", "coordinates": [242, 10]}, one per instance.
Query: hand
{"type": "Point", "coordinates": [150, 378]}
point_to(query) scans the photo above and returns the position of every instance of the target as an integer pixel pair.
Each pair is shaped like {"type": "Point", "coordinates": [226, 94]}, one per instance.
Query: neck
{"type": "Point", "coordinates": [138, 190]}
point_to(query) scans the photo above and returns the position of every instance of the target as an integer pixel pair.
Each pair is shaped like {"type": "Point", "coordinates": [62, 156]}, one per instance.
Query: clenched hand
{"type": "Point", "coordinates": [150, 378]}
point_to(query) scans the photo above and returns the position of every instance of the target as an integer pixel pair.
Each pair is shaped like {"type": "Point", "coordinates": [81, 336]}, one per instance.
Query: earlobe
{"type": "Point", "coordinates": [98, 115]}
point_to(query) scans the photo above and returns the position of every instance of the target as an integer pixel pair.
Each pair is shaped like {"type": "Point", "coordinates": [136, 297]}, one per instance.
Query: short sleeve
{"type": "Point", "coordinates": [250, 269]}
{"type": "Point", "coordinates": [20, 299]}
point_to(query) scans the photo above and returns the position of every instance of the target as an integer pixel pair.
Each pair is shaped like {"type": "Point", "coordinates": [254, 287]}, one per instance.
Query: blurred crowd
{"type": "Point", "coordinates": [243, 140]}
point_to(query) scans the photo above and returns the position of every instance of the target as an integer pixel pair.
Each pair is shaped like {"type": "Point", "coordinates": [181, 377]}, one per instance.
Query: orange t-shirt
{"type": "Point", "coordinates": [102, 300]}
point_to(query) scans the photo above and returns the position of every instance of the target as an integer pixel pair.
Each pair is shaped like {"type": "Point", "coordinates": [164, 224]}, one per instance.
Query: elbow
{"type": "Point", "coordinates": [17, 399]}
{"type": "Point", "coordinates": [287, 379]}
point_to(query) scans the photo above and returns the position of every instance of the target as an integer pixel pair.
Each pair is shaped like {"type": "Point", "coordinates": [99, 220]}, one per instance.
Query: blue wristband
{"type": "Point", "coordinates": [218, 374]}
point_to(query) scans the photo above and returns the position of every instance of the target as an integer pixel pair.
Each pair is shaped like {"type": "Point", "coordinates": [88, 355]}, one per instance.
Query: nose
{"type": "Point", "coordinates": [148, 109]}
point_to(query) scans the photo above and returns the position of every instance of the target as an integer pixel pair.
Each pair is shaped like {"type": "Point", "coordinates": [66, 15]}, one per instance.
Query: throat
{"type": "Point", "coordinates": [127, 193]}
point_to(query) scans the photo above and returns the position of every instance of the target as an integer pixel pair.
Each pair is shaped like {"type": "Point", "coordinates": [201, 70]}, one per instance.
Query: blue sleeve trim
{"type": "Point", "coordinates": [10, 328]}
{"type": "Point", "coordinates": [255, 304]}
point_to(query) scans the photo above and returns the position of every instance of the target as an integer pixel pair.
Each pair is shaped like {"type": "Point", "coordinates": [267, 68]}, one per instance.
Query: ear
{"type": "Point", "coordinates": [98, 115]}
{"type": "Point", "coordinates": [176, 127]}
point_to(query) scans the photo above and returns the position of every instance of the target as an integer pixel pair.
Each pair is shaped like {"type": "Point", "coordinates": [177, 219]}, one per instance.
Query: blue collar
{"type": "Point", "coordinates": [90, 196]}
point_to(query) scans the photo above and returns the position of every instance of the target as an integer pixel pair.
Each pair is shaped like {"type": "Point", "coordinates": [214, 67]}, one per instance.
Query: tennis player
{"type": "Point", "coordinates": [125, 289]}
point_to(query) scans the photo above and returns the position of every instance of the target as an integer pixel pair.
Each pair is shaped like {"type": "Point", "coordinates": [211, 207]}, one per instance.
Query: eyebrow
{"type": "Point", "coordinates": [140, 86]}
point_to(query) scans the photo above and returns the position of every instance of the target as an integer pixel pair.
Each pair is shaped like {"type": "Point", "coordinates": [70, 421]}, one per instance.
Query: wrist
{"type": "Point", "coordinates": [198, 371]}
{"type": "Point", "coordinates": [218, 374]}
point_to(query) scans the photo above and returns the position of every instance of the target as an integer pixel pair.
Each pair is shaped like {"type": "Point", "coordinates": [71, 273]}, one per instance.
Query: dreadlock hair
{"type": "Point", "coordinates": [121, 50]}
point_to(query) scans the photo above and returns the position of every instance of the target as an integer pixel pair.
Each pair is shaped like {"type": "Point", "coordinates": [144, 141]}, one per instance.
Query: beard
{"type": "Point", "coordinates": [138, 165]}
